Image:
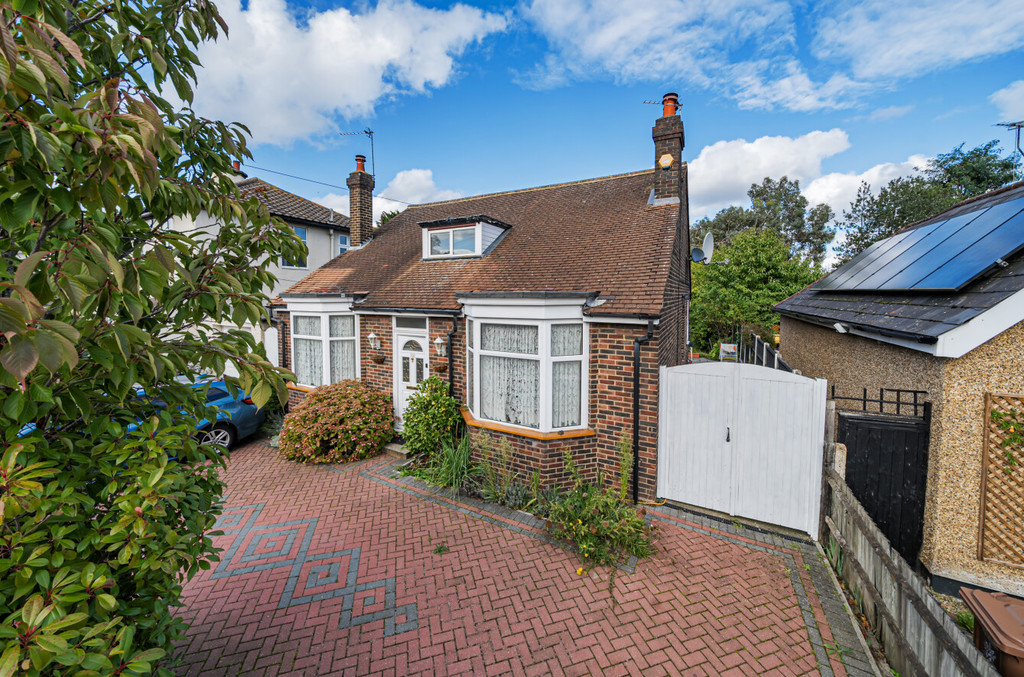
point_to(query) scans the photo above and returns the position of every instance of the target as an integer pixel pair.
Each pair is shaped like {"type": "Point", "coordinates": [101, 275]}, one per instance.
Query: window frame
{"type": "Point", "coordinates": [450, 232]}
{"type": "Point", "coordinates": [474, 351]}
{"type": "Point", "coordinates": [348, 243]}
{"type": "Point", "coordinates": [325, 340]}
{"type": "Point", "coordinates": [285, 263]}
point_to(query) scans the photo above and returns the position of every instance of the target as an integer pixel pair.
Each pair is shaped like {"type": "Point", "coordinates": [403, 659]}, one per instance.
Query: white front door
{"type": "Point", "coordinates": [411, 366]}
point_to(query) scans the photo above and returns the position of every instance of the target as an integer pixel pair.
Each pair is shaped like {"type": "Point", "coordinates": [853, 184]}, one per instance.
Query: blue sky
{"type": "Point", "coordinates": [470, 98]}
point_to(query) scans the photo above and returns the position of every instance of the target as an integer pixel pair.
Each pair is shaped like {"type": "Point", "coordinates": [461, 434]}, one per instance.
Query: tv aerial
{"type": "Point", "coordinates": [704, 253]}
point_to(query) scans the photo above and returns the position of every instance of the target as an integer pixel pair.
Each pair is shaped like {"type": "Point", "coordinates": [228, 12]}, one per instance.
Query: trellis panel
{"type": "Point", "coordinates": [1001, 537]}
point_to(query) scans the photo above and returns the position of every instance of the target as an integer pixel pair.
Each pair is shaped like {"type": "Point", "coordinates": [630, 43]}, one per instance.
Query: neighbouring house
{"type": "Point", "coordinates": [938, 307]}
{"type": "Point", "coordinates": [530, 302]}
{"type": "Point", "coordinates": [325, 232]}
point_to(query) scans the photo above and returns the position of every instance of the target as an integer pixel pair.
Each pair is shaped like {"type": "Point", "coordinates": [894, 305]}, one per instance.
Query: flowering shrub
{"type": "Point", "coordinates": [598, 521]}
{"type": "Point", "coordinates": [344, 421]}
{"type": "Point", "coordinates": [431, 416]}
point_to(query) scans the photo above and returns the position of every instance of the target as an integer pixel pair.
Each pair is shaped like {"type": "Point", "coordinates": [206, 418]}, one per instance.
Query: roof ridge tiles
{"type": "Point", "coordinates": [549, 186]}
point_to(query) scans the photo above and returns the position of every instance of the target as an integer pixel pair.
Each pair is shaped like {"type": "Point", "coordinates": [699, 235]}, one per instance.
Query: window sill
{"type": "Point", "coordinates": [301, 389]}
{"type": "Point", "coordinates": [524, 432]}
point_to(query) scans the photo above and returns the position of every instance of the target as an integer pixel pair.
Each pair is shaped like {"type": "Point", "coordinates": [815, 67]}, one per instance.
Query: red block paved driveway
{"type": "Point", "coordinates": [334, 571]}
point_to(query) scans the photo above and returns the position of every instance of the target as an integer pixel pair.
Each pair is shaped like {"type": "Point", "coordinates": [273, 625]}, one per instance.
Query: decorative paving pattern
{"type": "Point", "coordinates": [314, 578]}
{"type": "Point", "coordinates": [338, 571]}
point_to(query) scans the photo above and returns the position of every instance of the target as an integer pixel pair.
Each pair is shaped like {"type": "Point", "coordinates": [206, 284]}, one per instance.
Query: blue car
{"type": "Point", "coordinates": [237, 418]}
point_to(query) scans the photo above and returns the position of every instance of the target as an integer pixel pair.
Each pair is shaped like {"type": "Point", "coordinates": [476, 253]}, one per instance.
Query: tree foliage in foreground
{"type": "Point", "coordinates": [949, 179]}
{"type": "Point", "coordinates": [776, 206]}
{"type": "Point", "coordinates": [761, 272]}
{"type": "Point", "coordinates": [99, 524]}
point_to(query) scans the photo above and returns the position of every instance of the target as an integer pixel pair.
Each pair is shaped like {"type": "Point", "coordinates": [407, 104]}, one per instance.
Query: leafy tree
{"type": "Point", "coordinates": [107, 500]}
{"type": "Point", "coordinates": [977, 171]}
{"type": "Point", "coordinates": [387, 215]}
{"type": "Point", "coordinates": [899, 203]}
{"type": "Point", "coordinates": [950, 178]}
{"type": "Point", "coordinates": [776, 206]}
{"type": "Point", "coordinates": [761, 272]}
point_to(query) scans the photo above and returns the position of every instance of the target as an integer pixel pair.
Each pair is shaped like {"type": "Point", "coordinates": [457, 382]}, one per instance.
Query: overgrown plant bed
{"type": "Point", "coordinates": [596, 520]}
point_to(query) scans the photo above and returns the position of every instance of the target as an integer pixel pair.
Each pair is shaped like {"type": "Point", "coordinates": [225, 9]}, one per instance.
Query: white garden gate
{"type": "Point", "coordinates": [744, 440]}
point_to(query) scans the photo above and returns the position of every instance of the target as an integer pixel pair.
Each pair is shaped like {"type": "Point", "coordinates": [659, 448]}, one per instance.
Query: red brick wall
{"type": "Point", "coordinates": [543, 456]}
{"type": "Point", "coordinates": [675, 304]}
{"type": "Point", "coordinates": [439, 327]}
{"type": "Point", "coordinates": [378, 375]}
{"type": "Point", "coordinates": [611, 399]}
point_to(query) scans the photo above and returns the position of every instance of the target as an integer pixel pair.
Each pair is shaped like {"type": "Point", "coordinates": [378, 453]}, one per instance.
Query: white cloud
{"type": "Point", "coordinates": [410, 186]}
{"type": "Point", "coordinates": [767, 85]}
{"type": "Point", "coordinates": [839, 189]}
{"type": "Point", "coordinates": [757, 53]}
{"type": "Point", "coordinates": [890, 112]}
{"type": "Point", "coordinates": [891, 38]}
{"type": "Point", "coordinates": [289, 76]}
{"type": "Point", "coordinates": [1010, 101]}
{"type": "Point", "coordinates": [703, 44]}
{"type": "Point", "coordinates": [723, 172]}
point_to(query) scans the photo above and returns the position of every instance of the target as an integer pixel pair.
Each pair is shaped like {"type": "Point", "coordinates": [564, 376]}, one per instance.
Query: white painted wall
{"type": "Point", "coordinates": [322, 244]}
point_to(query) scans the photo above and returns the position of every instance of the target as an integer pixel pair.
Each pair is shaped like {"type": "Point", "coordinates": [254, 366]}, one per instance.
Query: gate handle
{"type": "Point", "coordinates": [727, 433]}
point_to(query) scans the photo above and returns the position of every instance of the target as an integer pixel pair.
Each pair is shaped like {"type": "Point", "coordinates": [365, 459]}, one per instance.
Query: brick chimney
{"type": "Point", "coordinates": [360, 203]}
{"type": "Point", "coordinates": [668, 149]}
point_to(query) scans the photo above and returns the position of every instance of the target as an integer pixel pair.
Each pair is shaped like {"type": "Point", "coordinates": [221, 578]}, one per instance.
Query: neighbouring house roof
{"type": "Point", "coordinates": [290, 206]}
{"type": "Point", "coordinates": [925, 317]}
{"type": "Point", "coordinates": [599, 235]}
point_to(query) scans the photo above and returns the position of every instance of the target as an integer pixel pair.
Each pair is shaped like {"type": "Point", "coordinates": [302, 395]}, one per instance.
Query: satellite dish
{"type": "Point", "coordinates": [696, 254]}
{"type": "Point", "coordinates": [709, 247]}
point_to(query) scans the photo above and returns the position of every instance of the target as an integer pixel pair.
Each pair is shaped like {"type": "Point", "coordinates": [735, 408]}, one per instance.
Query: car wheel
{"type": "Point", "coordinates": [222, 434]}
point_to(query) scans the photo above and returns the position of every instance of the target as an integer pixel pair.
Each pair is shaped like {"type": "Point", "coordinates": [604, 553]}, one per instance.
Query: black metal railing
{"type": "Point", "coordinates": [889, 401]}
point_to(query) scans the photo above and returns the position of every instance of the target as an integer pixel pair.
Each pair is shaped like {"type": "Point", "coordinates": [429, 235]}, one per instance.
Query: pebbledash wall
{"type": "Point", "coordinates": [956, 388]}
{"type": "Point", "coordinates": [610, 415]}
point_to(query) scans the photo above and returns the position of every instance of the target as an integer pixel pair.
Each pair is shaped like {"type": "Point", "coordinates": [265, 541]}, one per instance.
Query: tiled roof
{"type": "Point", "coordinates": [598, 235]}
{"type": "Point", "coordinates": [290, 206]}
{"type": "Point", "coordinates": [924, 315]}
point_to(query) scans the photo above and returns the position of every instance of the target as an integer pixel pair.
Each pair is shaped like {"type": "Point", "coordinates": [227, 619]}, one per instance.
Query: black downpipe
{"type": "Point", "coordinates": [451, 356]}
{"type": "Point", "coordinates": [636, 407]}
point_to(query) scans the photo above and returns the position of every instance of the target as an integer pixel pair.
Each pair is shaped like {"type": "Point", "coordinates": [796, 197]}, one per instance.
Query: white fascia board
{"type": "Point", "coordinates": [961, 340]}
{"type": "Point", "coordinates": [612, 319]}
{"type": "Point", "coordinates": [523, 308]}
{"type": "Point", "coordinates": [982, 328]}
{"type": "Point", "coordinates": [320, 304]}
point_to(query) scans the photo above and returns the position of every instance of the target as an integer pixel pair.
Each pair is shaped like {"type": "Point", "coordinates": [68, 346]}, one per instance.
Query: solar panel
{"type": "Point", "coordinates": [940, 256]}
{"type": "Point", "coordinates": [980, 256]}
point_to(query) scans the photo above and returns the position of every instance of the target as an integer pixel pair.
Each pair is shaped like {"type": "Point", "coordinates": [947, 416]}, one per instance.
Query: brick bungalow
{"type": "Point", "coordinates": [533, 303]}
{"type": "Point", "coordinates": [938, 307]}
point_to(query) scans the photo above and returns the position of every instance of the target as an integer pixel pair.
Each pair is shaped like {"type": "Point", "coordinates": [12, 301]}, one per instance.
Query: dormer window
{"type": "Point", "coordinates": [453, 242]}
{"type": "Point", "coordinates": [461, 237]}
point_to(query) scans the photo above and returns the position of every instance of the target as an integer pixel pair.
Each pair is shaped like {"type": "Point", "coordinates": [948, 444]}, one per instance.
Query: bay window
{"type": "Point", "coordinates": [324, 348]}
{"type": "Point", "coordinates": [529, 374]}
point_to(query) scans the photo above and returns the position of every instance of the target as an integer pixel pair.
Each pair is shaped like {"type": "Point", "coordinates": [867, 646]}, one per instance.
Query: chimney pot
{"type": "Point", "coordinates": [236, 165]}
{"type": "Point", "coordinates": [671, 104]}
{"type": "Point", "coordinates": [360, 163]}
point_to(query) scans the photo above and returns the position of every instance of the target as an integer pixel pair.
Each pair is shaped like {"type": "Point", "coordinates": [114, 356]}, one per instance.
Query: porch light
{"type": "Point", "coordinates": [373, 341]}
{"type": "Point", "coordinates": [440, 347]}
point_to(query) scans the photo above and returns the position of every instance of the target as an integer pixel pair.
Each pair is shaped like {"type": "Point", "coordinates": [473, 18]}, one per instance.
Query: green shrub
{"type": "Point", "coordinates": [601, 525]}
{"type": "Point", "coordinates": [431, 416]}
{"type": "Point", "coordinates": [495, 468]}
{"type": "Point", "coordinates": [344, 421]}
{"type": "Point", "coordinates": [450, 467]}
